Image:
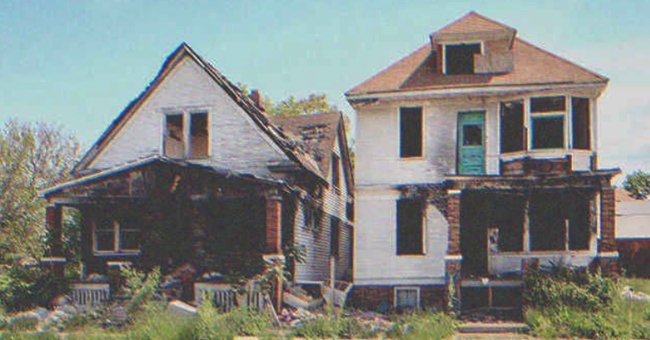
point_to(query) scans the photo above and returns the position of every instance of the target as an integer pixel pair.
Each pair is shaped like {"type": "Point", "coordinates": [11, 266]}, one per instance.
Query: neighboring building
{"type": "Point", "coordinates": [476, 156]}
{"type": "Point", "coordinates": [192, 171]}
{"type": "Point", "coordinates": [633, 233]}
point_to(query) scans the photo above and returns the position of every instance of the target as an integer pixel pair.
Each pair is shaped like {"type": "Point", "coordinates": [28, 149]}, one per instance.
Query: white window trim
{"type": "Point", "coordinates": [117, 246]}
{"type": "Point", "coordinates": [406, 288]}
{"type": "Point", "coordinates": [444, 50]}
{"type": "Point", "coordinates": [399, 134]}
{"type": "Point", "coordinates": [186, 113]}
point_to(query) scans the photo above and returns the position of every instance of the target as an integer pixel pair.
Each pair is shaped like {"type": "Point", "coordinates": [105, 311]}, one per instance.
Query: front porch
{"type": "Point", "coordinates": [184, 218]}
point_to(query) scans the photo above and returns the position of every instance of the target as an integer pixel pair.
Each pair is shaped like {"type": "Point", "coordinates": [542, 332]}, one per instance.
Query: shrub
{"type": "Point", "coordinates": [210, 324]}
{"type": "Point", "coordinates": [154, 322]}
{"type": "Point", "coordinates": [140, 286]}
{"type": "Point", "coordinates": [243, 321]}
{"type": "Point", "coordinates": [22, 288]}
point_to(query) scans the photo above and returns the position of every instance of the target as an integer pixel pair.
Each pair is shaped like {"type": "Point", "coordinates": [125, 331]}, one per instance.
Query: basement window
{"type": "Point", "coordinates": [174, 145]}
{"type": "Point", "coordinates": [581, 123]}
{"type": "Point", "coordinates": [410, 227]}
{"type": "Point", "coordinates": [407, 297]}
{"type": "Point", "coordinates": [411, 124]}
{"type": "Point", "coordinates": [512, 126]}
{"type": "Point", "coordinates": [198, 135]}
{"type": "Point", "coordinates": [459, 58]}
{"type": "Point", "coordinates": [547, 119]}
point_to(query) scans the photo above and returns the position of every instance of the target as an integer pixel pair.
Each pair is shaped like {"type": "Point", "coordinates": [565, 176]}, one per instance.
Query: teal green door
{"type": "Point", "coordinates": [471, 143]}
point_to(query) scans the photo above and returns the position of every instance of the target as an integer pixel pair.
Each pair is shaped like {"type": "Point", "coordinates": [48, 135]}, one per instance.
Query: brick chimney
{"type": "Point", "coordinates": [256, 98]}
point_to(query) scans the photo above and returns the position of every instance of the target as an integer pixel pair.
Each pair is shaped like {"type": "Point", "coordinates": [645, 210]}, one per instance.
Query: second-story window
{"type": "Point", "coordinates": [410, 132]}
{"type": "Point", "coordinates": [459, 58]}
{"type": "Point", "coordinates": [336, 171]}
{"type": "Point", "coordinates": [547, 119]}
{"type": "Point", "coordinates": [181, 142]}
{"type": "Point", "coordinates": [581, 123]}
{"type": "Point", "coordinates": [512, 126]}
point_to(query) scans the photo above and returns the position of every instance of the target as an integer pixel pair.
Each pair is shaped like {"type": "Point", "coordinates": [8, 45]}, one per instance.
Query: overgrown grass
{"type": "Point", "coordinates": [424, 325]}
{"type": "Point", "coordinates": [567, 303]}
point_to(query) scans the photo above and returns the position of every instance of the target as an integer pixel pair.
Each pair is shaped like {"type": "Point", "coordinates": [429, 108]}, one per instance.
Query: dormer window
{"type": "Point", "coordinates": [459, 58]}
{"type": "Point", "coordinates": [183, 140]}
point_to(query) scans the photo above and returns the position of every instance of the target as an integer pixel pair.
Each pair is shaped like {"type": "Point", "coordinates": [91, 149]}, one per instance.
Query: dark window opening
{"type": "Point", "coordinates": [174, 145]}
{"type": "Point", "coordinates": [459, 59]}
{"type": "Point", "coordinates": [581, 123]}
{"type": "Point", "coordinates": [199, 135]}
{"type": "Point", "coordinates": [336, 171]}
{"type": "Point", "coordinates": [349, 211]}
{"type": "Point", "coordinates": [472, 135]}
{"type": "Point", "coordinates": [512, 126]}
{"type": "Point", "coordinates": [548, 104]}
{"type": "Point", "coordinates": [410, 119]}
{"type": "Point", "coordinates": [548, 132]}
{"type": "Point", "coordinates": [334, 242]}
{"type": "Point", "coordinates": [560, 220]}
{"type": "Point", "coordinates": [129, 237]}
{"type": "Point", "coordinates": [410, 225]}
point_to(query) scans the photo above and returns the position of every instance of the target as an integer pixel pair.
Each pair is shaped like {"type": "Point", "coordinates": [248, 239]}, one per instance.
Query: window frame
{"type": "Point", "coordinates": [186, 114]}
{"type": "Point", "coordinates": [406, 288]}
{"type": "Point", "coordinates": [422, 137]}
{"type": "Point", "coordinates": [464, 42]}
{"type": "Point", "coordinates": [117, 240]}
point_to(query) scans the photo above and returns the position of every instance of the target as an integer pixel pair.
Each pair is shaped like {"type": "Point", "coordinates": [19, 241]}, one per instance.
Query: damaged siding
{"type": "Point", "coordinates": [315, 239]}
{"type": "Point", "coordinates": [235, 142]}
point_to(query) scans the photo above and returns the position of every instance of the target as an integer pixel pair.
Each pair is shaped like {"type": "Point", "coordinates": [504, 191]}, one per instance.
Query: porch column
{"type": "Point", "coordinates": [53, 225]}
{"type": "Point", "coordinates": [454, 258]}
{"type": "Point", "coordinates": [273, 224]}
{"type": "Point", "coordinates": [607, 253]}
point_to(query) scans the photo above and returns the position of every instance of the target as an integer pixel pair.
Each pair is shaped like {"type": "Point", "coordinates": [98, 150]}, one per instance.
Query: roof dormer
{"type": "Point", "coordinates": [474, 44]}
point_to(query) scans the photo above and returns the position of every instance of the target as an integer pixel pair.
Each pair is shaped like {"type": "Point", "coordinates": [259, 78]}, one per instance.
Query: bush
{"type": "Point", "coordinates": [140, 286]}
{"type": "Point", "coordinates": [154, 322]}
{"type": "Point", "coordinates": [22, 288]}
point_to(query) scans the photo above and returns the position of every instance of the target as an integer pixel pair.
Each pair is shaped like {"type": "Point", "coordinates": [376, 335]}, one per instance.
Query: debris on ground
{"type": "Point", "coordinates": [630, 294]}
{"type": "Point", "coordinates": [297, 297]}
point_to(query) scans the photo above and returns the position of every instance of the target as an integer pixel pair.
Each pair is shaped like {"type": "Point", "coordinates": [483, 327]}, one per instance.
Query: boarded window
{"type": "Point", "coordinates": [336, 171]}
{"type": "Point", "coordinates": [334, 230]}
{"type": "Point", "coordinates": [174, 142]}
{"type": "Point", "coordinates": [512, 126]}
{"type": "Point", "coordinates": [410, 131]}
{"type": "Point", "coordinates": [548, 132]}
{"type": "Point", "coordinates": [459, 58]}
{"type": "Point", "coordinates": [581, 123]}
{"type": "Point", "coordinates": [410, 233]}
{"type": "Point", "coordinates": [199, 135]}
{"type": "Point", "coordinates": [407, 297]}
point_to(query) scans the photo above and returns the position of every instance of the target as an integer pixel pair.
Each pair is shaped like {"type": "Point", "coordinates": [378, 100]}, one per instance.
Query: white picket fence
{"type": "Point", "coordinates": [226, 297]}
{"type": "Point", "coordinates": [90, 294]}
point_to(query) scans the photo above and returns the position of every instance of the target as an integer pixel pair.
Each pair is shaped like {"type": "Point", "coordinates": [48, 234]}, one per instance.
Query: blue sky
{"type": "Point", "coordinates": [79, 63]}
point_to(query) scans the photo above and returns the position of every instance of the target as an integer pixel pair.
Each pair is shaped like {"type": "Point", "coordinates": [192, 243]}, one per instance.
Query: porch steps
{"type": "Point", "coordinates": [493, 328]}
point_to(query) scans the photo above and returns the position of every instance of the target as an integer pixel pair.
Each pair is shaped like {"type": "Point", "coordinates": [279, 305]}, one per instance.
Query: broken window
{"type": "Point", "coordinates": [581, 123]}
{"type": "Point", "coordinates": [410, 119]}
{"type": "Point", "coordinates": [547, 116]}
{"type": "Point", "coordinates": [336, 171]}
{"type": "Point", "coordinates": [410, 227]}
{"type": "Point", "coordinates": [334, 242]}
{"type": "Point", "coordinates": [198, 135]}
{"type": "Point", "coordinates": [174, 145]}
{"type": "Point", "coordinates": [512, 126]}
{"type": "Point", "coordinates": [407, 297]}
{"type": "Point", "coordinates": [559, 220]}
{"type": "Point", "coordinates": [459, 58]}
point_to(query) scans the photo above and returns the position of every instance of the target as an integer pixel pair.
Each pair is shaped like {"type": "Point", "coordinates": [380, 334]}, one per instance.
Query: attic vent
{"type": "Point", "coordinates": [314, 132]}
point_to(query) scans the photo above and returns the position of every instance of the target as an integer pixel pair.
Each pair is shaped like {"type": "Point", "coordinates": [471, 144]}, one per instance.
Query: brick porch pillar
{"type": "Point", "coordinates": [53, 225]}
{"type": "Point", "coordinates": [273, 245]}
{"type": "Point", "coordinates": [607, 251]}
{"type": "Point", "coordinates": [453, 260]}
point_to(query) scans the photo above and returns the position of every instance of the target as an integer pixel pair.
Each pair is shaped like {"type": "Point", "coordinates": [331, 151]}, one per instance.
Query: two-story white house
{"type": "Point", "coordinates": [476, 157]}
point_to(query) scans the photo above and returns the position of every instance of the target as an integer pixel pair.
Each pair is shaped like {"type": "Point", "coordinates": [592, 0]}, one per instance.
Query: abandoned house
{"type": "Point", "coordinates": [192, 173]}
{"type": "Point", "coordinates": [476, 159]}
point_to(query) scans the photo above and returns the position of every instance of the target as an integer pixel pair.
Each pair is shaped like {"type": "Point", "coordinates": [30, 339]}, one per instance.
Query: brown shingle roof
{"type": "Point", "coordinates": [532, 66]}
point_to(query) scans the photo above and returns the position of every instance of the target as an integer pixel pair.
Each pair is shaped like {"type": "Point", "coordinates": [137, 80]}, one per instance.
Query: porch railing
{"type": "Point", "coordinates": [90, 294]}
{"type": "Point", "coordinates": [226, 297]}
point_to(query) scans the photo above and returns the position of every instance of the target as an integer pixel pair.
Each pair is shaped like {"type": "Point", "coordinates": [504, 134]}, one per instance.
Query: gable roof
{"type": "Point", "coordinates": [318, 132]}
{"type": "Point", "coordinates": [532, 66]}
{"type": "Point", "coordinates": [254, 112]}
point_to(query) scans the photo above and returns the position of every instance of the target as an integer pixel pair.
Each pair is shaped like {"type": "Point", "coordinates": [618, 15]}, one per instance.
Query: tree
{"type": "Point", "coordinates": [292, 107]}
{"type": "Point", "coordinates": [33, 156]}
{"type": "Point", "coordinates": [638, 184]}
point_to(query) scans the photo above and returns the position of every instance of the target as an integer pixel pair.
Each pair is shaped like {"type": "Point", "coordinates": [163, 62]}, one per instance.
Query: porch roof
{"type": "Point", "coordinates": [155, 158]}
